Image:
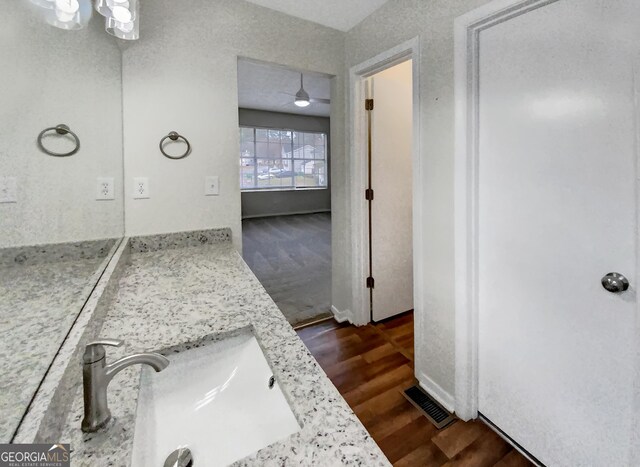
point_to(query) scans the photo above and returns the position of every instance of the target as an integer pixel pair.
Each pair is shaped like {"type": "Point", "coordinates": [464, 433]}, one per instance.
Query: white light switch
{"type": "Point", "coordinates": [8, 190]}
{"type": "Point", "coordinates": [212, 185]}
{"type": "Point", "coordinates": [105, 189]}
{"type": "Point", "coordinates": [140, 188]}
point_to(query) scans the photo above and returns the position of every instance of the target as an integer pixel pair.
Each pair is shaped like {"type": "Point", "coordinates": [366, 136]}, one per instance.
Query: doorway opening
{"type": "Point", "coordinates": [389, 192]}
{"type": "Point", "coordinates": [386, 230]}
{"type": "Point", "coordinates": [285, 185]}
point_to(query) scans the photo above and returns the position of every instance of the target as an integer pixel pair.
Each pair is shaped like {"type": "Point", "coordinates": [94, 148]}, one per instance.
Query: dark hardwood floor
{"type": "Point", "coordinates": [371, 366]}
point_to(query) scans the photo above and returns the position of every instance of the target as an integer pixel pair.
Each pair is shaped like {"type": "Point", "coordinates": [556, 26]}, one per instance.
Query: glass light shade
{"type": "Point", "coordinates": [125, 27]}
{"type": "Point", "coordinates": [114, 3]}
{"type": "Point", "coordinates": [126, 30]}
{"type": "Point", "coordinates": [121, 14]}
{"type": "Point", "coordinates": [69, 14]}
{"type": "Point", "coordinates": [133, 6]}
{"type": "Point", "coordinates": [106, 7]}
{"type": "Point", "coordinates": [66, 11]}
{"type": "Point", "coordinates": [102, 7]}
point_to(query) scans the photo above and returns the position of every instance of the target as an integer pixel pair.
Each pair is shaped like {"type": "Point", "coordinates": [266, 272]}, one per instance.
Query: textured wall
{"type": "Point", "coordinates": [182, 75]}
{"type": "Point", "coordinates": [397, 22]}
{"type": "Point", "coordinates": [51, 76]}
{"type": "Point", "coordinates": [269, 203]}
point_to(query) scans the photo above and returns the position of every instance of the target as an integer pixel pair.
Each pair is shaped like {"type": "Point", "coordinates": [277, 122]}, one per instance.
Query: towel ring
{"type": "Point", "coordinates": [173, 136]}
{"type": "Point", "coordinates": [61, 130]}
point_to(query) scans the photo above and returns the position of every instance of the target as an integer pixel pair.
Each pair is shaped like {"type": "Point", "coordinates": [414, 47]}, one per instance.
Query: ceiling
{"type": "Point", "coordinates": [336, 14]}
{"type": "Point", "coordinates": [271, 87]}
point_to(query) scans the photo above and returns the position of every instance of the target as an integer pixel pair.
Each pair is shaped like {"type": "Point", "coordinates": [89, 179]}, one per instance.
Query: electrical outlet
{"type": "Point", "coordinates": [140, 188]}
{"type": "Point", "coordinates": [8, 190]}
{"type": "Point", "coordinates": [104, 189]}
{"type": "Point", "coordinates": [212, 186]}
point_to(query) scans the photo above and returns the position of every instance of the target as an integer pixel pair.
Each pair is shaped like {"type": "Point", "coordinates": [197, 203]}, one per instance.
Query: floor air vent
{"type": "Point", "coordinates": [430, 408]}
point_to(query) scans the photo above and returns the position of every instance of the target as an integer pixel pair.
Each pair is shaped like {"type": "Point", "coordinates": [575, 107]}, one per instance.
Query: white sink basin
{"type": "Point", "coordinates": [216, 401]}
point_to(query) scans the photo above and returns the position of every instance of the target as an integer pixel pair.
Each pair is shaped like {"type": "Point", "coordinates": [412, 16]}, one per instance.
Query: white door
{"type": "Point", "coordinates": [391, 174]}
{"type": "Point", "coordinates": [558, 129]}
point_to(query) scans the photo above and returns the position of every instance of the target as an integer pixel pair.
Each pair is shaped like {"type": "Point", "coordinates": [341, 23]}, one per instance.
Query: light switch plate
{"type": "Point", "coordinates": [105, 188]}
{"type": "Point", "coordinates": [8, 190]}
{"type": "Point", "coordinates": [212, 185]}
{"type": "Point", "coordinates": [140, 188]}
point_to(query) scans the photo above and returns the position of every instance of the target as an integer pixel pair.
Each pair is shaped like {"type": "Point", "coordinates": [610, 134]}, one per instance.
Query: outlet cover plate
{"type": "Point", "coordinates": [212, 185]}
{"type": "Point", "coordinates": [8, 190]}
{"type": "Point", "coordinates": [140, 188]}
{"type": "Point", "coordinates": [105, 188]}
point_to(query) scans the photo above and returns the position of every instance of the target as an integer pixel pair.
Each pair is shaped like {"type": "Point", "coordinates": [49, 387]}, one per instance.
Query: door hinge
{"type": "Point", "coordinates": [368, 104]}
{"type": "Point", "coordinates": [370, 282]}
{"type": "Point", "coordinates": [368, 194]}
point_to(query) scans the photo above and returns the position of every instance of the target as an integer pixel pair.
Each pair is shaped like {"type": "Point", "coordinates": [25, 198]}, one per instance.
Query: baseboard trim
{"type": "Point", "coordinates": [312, 322]}
{"type": "Point", "coordinates": [278, 214]}
{"type": "Point", "coordinates": [445, 399]}
{"type": "Point", "coordinates": [340, 316]}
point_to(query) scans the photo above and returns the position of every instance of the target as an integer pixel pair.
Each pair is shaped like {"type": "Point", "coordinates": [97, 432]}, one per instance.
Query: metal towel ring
{"type": "Point", "coordinates": [61, 130]}
{"type": "Point", "coordinates": [173, 136]}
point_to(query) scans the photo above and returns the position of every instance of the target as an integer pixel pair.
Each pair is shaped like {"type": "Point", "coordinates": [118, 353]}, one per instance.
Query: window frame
{"type": "Point", "coordinates": [255, 158]}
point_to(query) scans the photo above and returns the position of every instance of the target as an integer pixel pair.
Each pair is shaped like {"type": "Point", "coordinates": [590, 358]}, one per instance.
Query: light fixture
{"type": "Point", "coordinates": [66, 10]}
{"type": "Point", "coordinates": [66, 14]}
{"type": "Point", "coordinates": [128, 31]}
{"type": "Point", "coordinates": [102, 7]}
{"type": "Point", "coordinates": [121, 16]}
{"type": "Point", "coordinates": [302, 96]}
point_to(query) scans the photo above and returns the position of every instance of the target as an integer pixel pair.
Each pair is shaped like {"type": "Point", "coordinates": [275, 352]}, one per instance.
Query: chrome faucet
{"type": "Point", "coordinates": [96, 376]}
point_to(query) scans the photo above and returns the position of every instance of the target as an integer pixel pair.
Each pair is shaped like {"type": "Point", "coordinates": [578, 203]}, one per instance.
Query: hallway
{"type": "Point", "coordinates": [371, 366]}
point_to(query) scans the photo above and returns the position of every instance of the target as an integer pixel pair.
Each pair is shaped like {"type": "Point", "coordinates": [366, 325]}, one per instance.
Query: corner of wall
{"type": "Point", "coordinates": [340, 316]}
{"type": "Point", "coordinates": [436, 391]}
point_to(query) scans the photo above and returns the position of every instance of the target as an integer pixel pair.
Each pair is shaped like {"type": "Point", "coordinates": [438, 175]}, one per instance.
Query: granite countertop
{"type": "Point", "coordinates": [181, 296]}
{"type": "Point", "coordinates": [43, 289]}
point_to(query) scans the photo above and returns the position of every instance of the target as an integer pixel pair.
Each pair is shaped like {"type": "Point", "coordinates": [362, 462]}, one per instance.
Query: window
{"type": "Point", "coordinates": [282, 159]}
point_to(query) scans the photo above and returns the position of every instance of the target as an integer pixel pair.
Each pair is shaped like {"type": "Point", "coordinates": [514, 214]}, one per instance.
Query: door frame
{"type": "Point", "coordinates": [409, 50]}
{"type": "Point", "coordinates": [467, 29]}
{"type": "Point", "coordinates": [635, 437]}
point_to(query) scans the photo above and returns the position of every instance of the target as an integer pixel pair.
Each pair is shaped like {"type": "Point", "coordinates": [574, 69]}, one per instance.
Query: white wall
{"type": "Point", "coordinates": [182, 76]}
{"type": "Point", "coordinates": [50, 76]}
{"type": "Point", "coordinates": [395, 23]}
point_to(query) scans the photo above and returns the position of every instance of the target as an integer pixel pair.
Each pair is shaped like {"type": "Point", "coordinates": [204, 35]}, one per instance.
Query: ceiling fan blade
{"type": "Point", "coordinates": [318, 100]}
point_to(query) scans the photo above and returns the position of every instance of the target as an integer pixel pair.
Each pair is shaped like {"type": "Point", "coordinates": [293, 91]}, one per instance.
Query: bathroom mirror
{"type": "Point", "coordinates": [61, 203]}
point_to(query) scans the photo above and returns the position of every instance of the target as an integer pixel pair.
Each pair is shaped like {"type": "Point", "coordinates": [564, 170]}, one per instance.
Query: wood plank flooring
{"type": "Point", "coordinates": [371, 366]}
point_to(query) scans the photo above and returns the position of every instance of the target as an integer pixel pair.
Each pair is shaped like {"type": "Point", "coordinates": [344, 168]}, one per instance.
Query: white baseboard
{"type": "Point", "coordinates": [340, 316]}
{"type": "Point", "coordinates": [445, 399]}
{"type": "Point", "coordinates": [289, 213]}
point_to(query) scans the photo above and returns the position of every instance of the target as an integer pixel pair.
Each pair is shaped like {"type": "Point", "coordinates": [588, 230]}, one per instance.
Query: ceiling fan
{"type": "Point", "coordinates": [302, 98]}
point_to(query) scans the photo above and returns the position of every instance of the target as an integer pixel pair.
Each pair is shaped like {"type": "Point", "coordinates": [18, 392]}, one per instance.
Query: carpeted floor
{"type": "Point", "coordinates": [291, 256]}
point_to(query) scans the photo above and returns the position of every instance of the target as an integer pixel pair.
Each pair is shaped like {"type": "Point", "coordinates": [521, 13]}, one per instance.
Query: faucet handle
{"type": "Point", "coordinates": [94, 350]}
{"type": "Point", "coordinates": [107, 341]}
